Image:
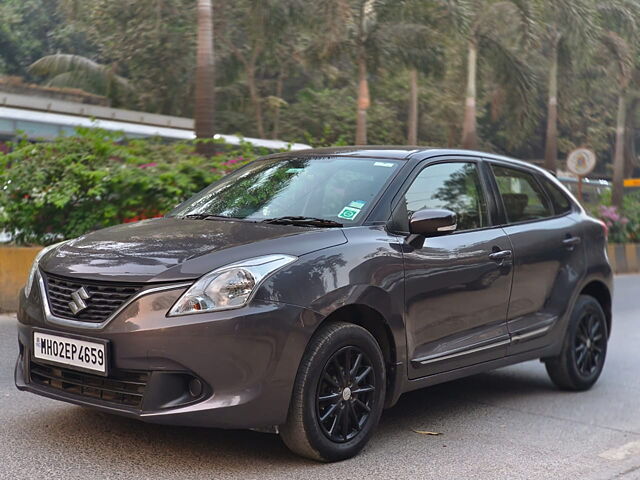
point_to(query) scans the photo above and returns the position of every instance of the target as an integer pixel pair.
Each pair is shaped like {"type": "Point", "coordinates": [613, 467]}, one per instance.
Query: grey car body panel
{"type": "Point", "coordinates": [173, 249]}
{"type": "Point", "coordinates": [456, 301]}
{"type": "Point", "coordinates": [367, 272]}
{"type": "Point", "coordinates": [249, 360]}
{"type": "Point", "coordinates": [448, 310]}
{"type": "Point", "coordinates": [544, 271]}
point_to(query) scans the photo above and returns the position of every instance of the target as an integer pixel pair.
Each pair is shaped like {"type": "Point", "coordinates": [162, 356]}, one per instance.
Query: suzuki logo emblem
{"type": "Point", "coordinates": [78, 303]}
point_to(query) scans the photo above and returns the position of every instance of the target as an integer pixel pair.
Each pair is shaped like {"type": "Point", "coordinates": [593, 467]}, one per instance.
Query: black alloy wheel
{"type": "Point", "coordinates": [584, 347]}
{"type": "Point", "coordinates": [345, 394]}
{"type": "Point", "coordinates": [590, 342]}
{"type": "Point", "coordinates": [338, 395]}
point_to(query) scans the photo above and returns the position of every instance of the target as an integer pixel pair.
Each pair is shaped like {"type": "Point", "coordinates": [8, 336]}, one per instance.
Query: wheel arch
{"type": "Point", "coordinates": [375, 323]}
{"type": "Point", "coordinates": [600, 291]}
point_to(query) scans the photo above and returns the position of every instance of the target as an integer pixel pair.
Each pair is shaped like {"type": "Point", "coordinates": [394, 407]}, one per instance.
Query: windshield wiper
{"type": "Point", "coordinates": [302, 221]}
{"type": "Point", "coordinates": [206, 216]}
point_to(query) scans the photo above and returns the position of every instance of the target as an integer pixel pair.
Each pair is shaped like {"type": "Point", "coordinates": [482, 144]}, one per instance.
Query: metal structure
{"type": "Point", "coordinates": [41, 118]}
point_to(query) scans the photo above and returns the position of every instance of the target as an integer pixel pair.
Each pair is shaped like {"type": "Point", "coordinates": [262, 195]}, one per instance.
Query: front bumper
{"type": "Point", "coordinates": [246, 359]}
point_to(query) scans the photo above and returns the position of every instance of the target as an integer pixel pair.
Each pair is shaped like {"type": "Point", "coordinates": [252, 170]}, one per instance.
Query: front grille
{"type": "Point", "coordinates": [120, 387]}
{"type": "Point", "coordinates": [104, 297]}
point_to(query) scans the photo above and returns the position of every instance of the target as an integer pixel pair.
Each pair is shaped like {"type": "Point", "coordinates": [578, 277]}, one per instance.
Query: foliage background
{"type": "Point", "coordinates": [288, 69]}
{"type": "Point", "coordinates": [305, 76]}
{"type": "Point", "coordinates": [63, 189]}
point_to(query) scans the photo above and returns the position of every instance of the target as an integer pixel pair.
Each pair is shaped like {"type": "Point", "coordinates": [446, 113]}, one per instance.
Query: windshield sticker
{"type": "Point", "coordinates": [383, 164]}
{"type": "Point", "coordinates": [349, 213]}
{"type": "Point", "coordinates": [357, 204]}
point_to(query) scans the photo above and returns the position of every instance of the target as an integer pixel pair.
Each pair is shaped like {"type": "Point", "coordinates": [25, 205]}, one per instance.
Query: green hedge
{"type": "Point", "coordinates": [62, 189]}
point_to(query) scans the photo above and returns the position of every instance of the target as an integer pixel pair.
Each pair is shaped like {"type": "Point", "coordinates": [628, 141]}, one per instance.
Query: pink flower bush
{"type": "Point", "coordinates": [610, 216]}
{"type": "Point", "coordinates": [147, 165]}
{"type": "Point", "coordinates": [615, 222]}
{"type": "Point", "coordinates": [233, 161]}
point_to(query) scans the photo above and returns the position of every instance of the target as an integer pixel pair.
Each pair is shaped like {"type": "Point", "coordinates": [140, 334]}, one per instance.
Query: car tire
{"type": "Point", "coordinates": [342, 373]}
{"type": "Point", "coordinates": [584, 348]}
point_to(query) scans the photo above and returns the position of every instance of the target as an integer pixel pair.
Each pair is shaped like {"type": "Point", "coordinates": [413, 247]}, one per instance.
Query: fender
{"type": "Point", "coordinates": [377, 300]}
{"type": "Point", "coordinates": [606, 282]}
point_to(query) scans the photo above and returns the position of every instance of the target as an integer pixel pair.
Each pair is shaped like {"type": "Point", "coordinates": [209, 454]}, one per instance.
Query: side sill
{"type": "Point", "coordinates": [478, 368]}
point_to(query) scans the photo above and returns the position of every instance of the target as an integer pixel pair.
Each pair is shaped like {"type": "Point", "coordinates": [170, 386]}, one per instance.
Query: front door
{"type": "Point", "coordinates": [456, 286]}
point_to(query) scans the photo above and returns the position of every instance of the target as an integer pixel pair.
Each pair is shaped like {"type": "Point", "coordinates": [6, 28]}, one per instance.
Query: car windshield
{"type": "Point", "coordinates": [320, 189]}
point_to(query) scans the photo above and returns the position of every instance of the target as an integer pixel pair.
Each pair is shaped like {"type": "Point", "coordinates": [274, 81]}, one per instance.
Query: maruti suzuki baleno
{"type": "Point", "coordinates": [305, 292]}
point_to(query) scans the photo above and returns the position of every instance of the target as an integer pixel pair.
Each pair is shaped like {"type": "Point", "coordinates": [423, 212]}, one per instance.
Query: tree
{"type": "Point", "coordinates": [621, 41]}
{"type": "Point", "coordinates": [413, 33]}
{"type": "Point", "coordinates": [31, 29]}
{"type": "Point", "coordinates": [285, 56]}
{"type": "Point", "coordinates": [486, 32]}
{"type": "Point", "coordinates": [75, 71]}
{"type": "Point", "coordinates": [367, 30]}
{"type": "Point", "coordinates": [622, 63]}
{"type": "Point", "coordinates": [567, 29]}
{"type": "Point", "coordinates": [348, 27]}
{"type": "Point", "coordinates": [153, 43]}
{"type": "Point", "coordinates": [205, 79]}
{"type": "Point", "coordinates": [249, 30]}
{"type": "Point", "coordinates": [317, 61]}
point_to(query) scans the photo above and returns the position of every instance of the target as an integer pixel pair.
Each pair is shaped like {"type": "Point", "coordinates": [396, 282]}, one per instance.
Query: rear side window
{"type": "Point", "coordinates": [561, 204]}
{"type": "Point", "coordinates": [522, 196]}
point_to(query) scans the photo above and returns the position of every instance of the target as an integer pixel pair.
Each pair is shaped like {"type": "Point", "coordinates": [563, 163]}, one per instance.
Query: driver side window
{"type": "Point", "coordinates": [454, 186]}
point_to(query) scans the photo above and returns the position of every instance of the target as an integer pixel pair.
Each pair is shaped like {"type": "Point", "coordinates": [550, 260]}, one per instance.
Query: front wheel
{"type": "Point", "coordinates": [585, 347]}
{"type": "Point", "coordinates": [338, 395]}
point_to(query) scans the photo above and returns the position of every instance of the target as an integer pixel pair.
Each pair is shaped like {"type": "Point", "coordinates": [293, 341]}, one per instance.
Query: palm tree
{"type": "Point", "coordinates": [348, 27]}
{"type": "Point", "coordinates": [414, 33]}
{"type": "Point", "coordinates": [485, 33]}
{"type": "Point", "coordinates": [205, 80]}
{"type": "Point", "coordinates": [370, 29]}
{"type": "Point", "coordinates": [412, 120]}
{"type": "Point", "coordinates": [364, 22]}
{"type": "Point", "coordinates": [249, 30]}
{"type": "Point", "coordinates": [76, 71]}
{"type": "Point", "coordinates": [631, 156]}
{"type": "Point", "coordinates": [621, 41]}
{"type": "Point", "coordinates": [567, 29]}
{"type": "Point", "coordinates": [622, 63]}
{"type": "Point", "coordinates": [285, 47]}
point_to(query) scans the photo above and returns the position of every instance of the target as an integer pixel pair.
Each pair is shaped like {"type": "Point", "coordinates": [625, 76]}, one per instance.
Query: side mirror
{"type": "Point", "coordinates": [432, 222]}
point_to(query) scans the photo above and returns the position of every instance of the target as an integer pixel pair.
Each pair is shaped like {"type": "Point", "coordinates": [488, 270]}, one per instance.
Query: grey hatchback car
{"type": "Point", "coordinates": [305, 292]}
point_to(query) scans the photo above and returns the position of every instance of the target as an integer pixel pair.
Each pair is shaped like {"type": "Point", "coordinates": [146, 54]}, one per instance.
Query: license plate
{"type": "Point", "coordinates": [75, 353]}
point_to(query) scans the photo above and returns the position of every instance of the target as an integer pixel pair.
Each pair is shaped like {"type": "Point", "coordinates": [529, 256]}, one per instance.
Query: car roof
{"type": "Point", "coordinates": [404, 152]}
{"type": "Point", "coordinates": [392, 152]}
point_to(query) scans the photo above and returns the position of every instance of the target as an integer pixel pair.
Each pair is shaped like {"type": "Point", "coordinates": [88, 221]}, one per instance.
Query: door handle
{"type": "Point", "coordinates": [501, 255]}
{"type": "Point", "coordinates": [571, 242]}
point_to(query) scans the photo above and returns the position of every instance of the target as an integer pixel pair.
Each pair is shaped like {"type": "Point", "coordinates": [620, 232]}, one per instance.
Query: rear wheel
{"type": "Point", "coordinates": [585, 347]}
{"type": "Point", "coordinates": [338, 395]}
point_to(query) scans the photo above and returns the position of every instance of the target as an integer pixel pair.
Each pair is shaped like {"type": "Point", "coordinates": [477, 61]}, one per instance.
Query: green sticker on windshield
{"type": "Point", "coordinates": [349, 213]}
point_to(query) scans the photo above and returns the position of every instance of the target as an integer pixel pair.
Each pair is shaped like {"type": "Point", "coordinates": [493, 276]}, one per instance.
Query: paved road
{"type": "Point", "coordinates": [508, 424]}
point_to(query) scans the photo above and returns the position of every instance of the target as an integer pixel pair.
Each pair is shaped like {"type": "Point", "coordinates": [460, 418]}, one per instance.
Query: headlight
{"type": "Point", "coordinates": [34, 267]}
{"type": "Point", "coordinates": [230, 286]}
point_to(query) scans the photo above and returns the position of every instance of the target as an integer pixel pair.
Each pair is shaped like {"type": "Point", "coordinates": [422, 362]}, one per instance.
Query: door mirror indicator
{"type": "Point", "coordinates": [432, 222]}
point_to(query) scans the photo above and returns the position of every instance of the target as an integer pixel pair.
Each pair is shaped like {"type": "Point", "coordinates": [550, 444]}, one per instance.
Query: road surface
{"type": "Point", "coordinates": [508, 424]}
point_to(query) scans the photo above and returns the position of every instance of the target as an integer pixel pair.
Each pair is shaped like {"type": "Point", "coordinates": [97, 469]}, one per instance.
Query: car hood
{"type": "Point", "coordinates": [175, 249]}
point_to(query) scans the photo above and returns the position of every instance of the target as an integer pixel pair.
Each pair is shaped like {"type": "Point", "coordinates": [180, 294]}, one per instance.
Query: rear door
{"type": "Point", "coordinates": [548, 252]}
{"type": "Point", "coordinates": [457, 285]}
